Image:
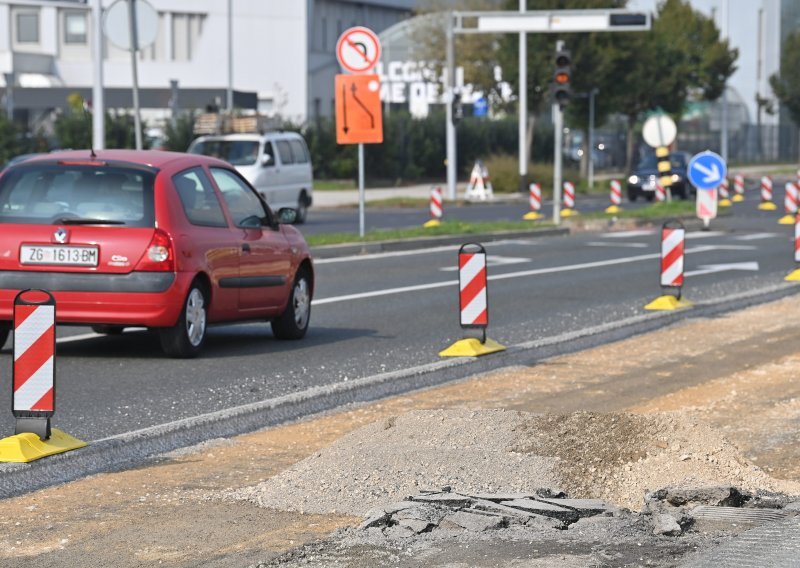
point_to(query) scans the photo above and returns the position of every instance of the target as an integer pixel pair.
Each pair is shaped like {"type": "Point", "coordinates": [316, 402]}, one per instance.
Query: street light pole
{"type": "Point", "coordinates": [450, 128]}
{"type": "Point", "coordinates": [137, 119]}
{"type": "Point", "coordinates": [592, 93]}
{"type": "Point", "coordinates": [98, 105]}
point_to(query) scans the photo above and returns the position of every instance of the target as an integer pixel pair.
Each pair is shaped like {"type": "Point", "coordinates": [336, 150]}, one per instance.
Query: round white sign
{"type": "Point", "coordinates": [659, 130]}
{"type": "Point", "coordinates": [116, 24]}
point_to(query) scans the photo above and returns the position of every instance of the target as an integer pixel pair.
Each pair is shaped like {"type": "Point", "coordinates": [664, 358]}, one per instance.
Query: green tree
{"type": "Point", "coordinates": [73, 127]}
{"type": "Point", "coordinates": [786, 83]}
{"type": "Point", "coordinates": [178, 134]}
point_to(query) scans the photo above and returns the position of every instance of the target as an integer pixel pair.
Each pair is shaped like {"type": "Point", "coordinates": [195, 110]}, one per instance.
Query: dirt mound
{"type": "Point", "coordinates": [616, 456]}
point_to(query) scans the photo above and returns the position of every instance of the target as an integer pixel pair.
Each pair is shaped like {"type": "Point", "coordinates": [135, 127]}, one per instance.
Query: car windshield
{"type": "Point", "coordinates": [59, 193]}
{"type": "Point", "coordinates": [235, 152]}
{"type": "Point", "coordinates": [649, 162]}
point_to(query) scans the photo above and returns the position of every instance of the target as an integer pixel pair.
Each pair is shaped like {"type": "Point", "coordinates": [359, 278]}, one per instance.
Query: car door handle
{"type": "Point", "coordinates": [246, 247]}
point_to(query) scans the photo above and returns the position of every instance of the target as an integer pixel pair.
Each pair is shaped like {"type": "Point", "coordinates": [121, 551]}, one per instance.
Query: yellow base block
{"type": "Point", "coordinates": [737, 198]}
{"type": "Point", "coordinates": [724, 203]}
{"type": "Point", "coordinates": [569, 212]}
{"type": "Point", "coordinates": [432, 223]}
{"type": "Point", "coordinates": [613, 209]}
{"type": "Point", "coordinates": [471, 347]}
{"type": "Point", "coordinates": [786, 220]}
{"type": "Point", "coordinates": [532, 216]}
{"type": "Point", "coordinates": [793, 276]}
{"type": "Point", "coordinates": [24, 448]}
{"type": "Point", "coordinates": [767, 206]}
{"type": "Point", "coordinates": [668, 302]}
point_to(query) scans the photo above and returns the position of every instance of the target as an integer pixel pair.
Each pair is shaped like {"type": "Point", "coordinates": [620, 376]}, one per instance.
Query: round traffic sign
{"type": "Point", "coordinates": [659, 130]}
{"type": "Point", "coordinates": [116, 24]}
{"type": "Point", "coordinates": [358, 50]}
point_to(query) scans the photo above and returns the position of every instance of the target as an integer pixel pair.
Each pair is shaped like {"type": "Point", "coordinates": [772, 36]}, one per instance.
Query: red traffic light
{"type": "Point", "coordinates": [561, 78]}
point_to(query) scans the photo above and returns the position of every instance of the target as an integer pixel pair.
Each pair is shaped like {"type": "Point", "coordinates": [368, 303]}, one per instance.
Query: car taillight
{"type": "Point", "coordinates": [159, 255]}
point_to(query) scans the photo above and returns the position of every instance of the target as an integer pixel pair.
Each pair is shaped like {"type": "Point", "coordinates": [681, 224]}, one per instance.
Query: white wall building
{"type": "Point", "coordinates": [283, 52]}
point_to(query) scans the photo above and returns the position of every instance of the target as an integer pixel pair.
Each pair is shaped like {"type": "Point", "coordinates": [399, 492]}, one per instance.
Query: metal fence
{"type": "Point", "coordinates": [748, 143]}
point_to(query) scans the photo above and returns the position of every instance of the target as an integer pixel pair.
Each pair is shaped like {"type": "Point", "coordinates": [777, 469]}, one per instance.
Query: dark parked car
{"type": "Point", "coordinates": [642, 181]}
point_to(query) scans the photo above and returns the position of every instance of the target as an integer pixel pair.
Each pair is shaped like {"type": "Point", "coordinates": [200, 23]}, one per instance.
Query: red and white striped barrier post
{"type": "Point", "coordinates": [473, 303]}
{"type": "Point", "coordinates": [724, 193]}
{"type": "Point", "coordinates": [615, 195]}
{"type": "Point", "coordinates": [766, 195]}
{"type": "Point", "coordinates": [34, 384]}
{"type": "Point", "coordinates": [738, 188]}
{"type": "Point", "coordinates": [436, 208]}
{"type": "Point", "coordinates": [673, 238]}
{"type": "Point", "coordinates": [661, 194]}
{"type": "Point", "coordinates": [789, 204]}
{"type": "Point", "coordinates": [794, 275]}
{"type": "Point", "coordinates": [569, 199]}
{"type": "Point", "coordinates": [534, 202]}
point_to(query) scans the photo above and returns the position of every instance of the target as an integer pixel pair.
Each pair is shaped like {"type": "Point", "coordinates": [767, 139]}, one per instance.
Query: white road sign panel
{"type": "Point", "coordinates": [358, 50]}
{"type": "Point", "coordinates": [659, 130]}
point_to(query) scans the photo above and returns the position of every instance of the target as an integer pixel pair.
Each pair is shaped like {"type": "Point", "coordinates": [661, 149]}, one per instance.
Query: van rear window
{"type": "Point", "coordinates": [77, 194]}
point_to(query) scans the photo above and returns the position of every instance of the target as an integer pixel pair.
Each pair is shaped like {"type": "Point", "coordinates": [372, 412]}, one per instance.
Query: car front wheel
{"type": "Point", "coordinates": [185, 339]}
{"type": "Point", "coordinates": [293, 322]}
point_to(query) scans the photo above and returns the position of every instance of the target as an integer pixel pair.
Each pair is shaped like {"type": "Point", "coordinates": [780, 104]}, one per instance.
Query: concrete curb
{"type": "Point", "coordinates": [132, 448]}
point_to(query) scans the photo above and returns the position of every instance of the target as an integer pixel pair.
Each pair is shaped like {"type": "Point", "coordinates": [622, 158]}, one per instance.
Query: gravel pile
{"type": "Point", "coordinates": [618, 457]}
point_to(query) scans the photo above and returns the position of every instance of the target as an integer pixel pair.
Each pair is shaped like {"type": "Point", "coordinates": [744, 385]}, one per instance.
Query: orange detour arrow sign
{"type": "Point", "coordinates": [359, 117]}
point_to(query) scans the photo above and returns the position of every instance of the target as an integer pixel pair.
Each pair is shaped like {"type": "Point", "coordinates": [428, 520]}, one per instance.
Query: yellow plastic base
{"type": "Point", "coordinates": [569, 212]}
{"type": "Point", "coordinates": [613, 209]}
{"type": "Point", "coordinates": [432, 223]}
{"type": "Point", "coordinates": [737, 198]}
{"type": "Point", "coordinates": [724, 203]}
{"type": "Point", "coordinates": [767, 206]}
{"type": "Point", "coordinates": [532, 216]}
{"type": "Point", "coordinates": [786, 220]}
{"type": "Point", "coordinates": [793, 276]}
{"type": "Point", "coordinates": [24, 448]}
{"type": "Point", "coordinates": [471, 347]}
{"type": "Point", "coordinates": [668, 302]}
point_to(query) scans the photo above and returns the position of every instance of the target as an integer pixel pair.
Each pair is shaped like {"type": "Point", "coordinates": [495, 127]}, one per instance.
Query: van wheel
{"type": "Point", "coordinates": [302, 209]}
{"type": "Point", "coordinates": [293, 322]}
{"type": "Point", "coordinates": [185, 339]}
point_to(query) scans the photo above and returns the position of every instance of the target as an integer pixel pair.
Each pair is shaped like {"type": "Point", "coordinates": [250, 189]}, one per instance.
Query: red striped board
{"type": "Point", "coordinates": [473, 299]}
{"type": "Point", "coordinates": [672, 252]}
{"type": "Point", "coordinates": [33, 372]}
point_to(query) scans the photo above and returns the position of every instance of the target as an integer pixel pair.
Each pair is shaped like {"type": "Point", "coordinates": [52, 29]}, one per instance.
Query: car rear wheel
{"type": "Point", "coordinates": [293, 322]}
{"type": "Point", "coordinates": [185, 339]}
{"type": "Point", "coordinates": [302, 209]}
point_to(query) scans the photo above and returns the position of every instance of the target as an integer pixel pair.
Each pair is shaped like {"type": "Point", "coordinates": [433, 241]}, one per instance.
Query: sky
{"type": "Point", "coordinates": [742, 25]}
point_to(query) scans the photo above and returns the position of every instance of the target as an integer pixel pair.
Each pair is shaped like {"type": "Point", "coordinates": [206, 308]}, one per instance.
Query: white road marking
{"type": "Point", "coordinates": [756, 236]}
{"type": "Point", "coordinates": [703, 234]}
{"type": "Point", "coordinates": [494, 261]}
{"type": "Point", "coordinates": [521, 274]}
{"type": "Point", "coordinates": [712, 268]}
{"type": "Point", "coordinates": [624, 245]}
{"type": "Point", "coordinates": [626, 234]}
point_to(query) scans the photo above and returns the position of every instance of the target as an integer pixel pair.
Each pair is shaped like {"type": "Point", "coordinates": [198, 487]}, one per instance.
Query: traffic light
{"type": "Point", "coordinates": [458, 108]}
{"type": "Point", "coordinates": [561, 77]}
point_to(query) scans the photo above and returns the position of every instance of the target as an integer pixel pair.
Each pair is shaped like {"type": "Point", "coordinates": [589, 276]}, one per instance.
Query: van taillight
{"type": "Point", "coordinates": [159, 256]}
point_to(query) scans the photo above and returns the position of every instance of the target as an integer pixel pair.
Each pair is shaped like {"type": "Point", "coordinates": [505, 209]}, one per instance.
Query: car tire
{"type": "Point", "coordinates": [302, 209]}
{"type": "Point", "coordinates": [108, 329]}
{"type": "Point", "coordinates": [293, 322]}
{"type": "Point", "coordinates": [185, 339]}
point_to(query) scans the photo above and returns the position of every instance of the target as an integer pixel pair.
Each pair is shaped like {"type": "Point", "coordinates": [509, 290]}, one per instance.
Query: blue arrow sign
{"type": "Point", "coordinates": [707, 170]}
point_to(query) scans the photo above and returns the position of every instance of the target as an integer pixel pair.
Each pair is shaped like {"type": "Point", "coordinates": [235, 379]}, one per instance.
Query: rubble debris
{"type": "Point", "coordinates": [665, 524]}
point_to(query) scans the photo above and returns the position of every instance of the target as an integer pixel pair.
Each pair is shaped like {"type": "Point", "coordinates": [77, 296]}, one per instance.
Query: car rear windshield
{"type": "Point", "coordinates": [235, 152]}
{"type": "Point", "coordinates": [58, 193]}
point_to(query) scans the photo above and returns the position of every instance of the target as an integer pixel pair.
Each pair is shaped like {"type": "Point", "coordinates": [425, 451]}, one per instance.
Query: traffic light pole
{"type": "Point", "coordinates": [558, 152]}
{"type": "Point", "coordinates": [523, 107]}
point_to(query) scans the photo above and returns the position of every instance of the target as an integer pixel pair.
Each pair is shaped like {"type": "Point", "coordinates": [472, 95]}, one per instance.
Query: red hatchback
{"type": "Point", "coordinates": [162, 240]}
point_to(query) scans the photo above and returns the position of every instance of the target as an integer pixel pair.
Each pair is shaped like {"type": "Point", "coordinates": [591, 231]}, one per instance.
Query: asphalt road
{"type": "Point", "coordinates": [388, 312]}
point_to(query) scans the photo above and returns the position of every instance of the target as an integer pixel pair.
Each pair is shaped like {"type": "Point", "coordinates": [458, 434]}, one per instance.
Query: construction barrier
{"type": "Point", "coordinates": [479, 187]}
{"type": "Point", "coordinates": [673, 238]}
{"type": "Point", "coordinates": [615, 195]}
{"type": "Point", "coordinates": [789, 204]}
{"type": "Point", "coordinates": [661, 193]}
{"type": "Point", "coordinates": [473, 303]}
{"type": "Point", "coordinates": [569, 200]}
{"type": "Point", "coordinates": [766, 195]}
{"type": "Point", "coordinates": [724, 193]}
{"type": "Point", "coordinates": [33, 398]}
{"type": "Point", "coordinates": [534, 203]}
{"type": "Point", "coordinates": [738, 188]}
{"type": "Point", "coordinates": [706, 206]}
{"type": "Point", "coordinates": [794, 275]}
{"type": "Point", "coordinates": [436, 208]}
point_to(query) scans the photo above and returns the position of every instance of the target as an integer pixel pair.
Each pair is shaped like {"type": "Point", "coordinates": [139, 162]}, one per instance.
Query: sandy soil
{"type": "Point", "coordinates": [737, 373]}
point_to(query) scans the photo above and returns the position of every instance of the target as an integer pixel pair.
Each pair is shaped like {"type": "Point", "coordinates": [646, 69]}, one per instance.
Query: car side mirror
{"type": "Point", "coordinates": [287, 216]}
{"type": "Point", "coordinates": [266, 160]}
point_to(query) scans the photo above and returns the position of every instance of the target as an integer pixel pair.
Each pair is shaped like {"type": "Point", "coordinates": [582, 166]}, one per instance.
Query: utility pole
{"type": "Point", "coordinates": [450, 129]}
{"type": "Point", "coordinates": [137, 119]}
{"type": "Point", "coordinates": [592, 92]}
{"type": "Point", "coordinates": [98, 104]}
{"type": "Point", "coordinates": [724, 129]}
{"type": "Point", "coordinates": [523, 106]}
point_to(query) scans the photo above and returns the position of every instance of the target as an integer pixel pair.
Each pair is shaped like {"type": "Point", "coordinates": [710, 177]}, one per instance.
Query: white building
{"type": "Point", "coordinates": [282, 53]}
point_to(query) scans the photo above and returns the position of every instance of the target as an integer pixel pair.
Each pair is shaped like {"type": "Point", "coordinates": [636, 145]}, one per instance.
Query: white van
{"type": "Point", "coordinates": [276, 163]}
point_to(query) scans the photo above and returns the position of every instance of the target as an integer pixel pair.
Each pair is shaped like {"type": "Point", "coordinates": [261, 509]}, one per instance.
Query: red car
{"type": "Point", "coordinates": [163, 240]}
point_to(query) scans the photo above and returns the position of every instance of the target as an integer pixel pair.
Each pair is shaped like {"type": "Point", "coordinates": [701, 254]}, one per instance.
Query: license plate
{"type": "Point", "coordinates": [58, 255]}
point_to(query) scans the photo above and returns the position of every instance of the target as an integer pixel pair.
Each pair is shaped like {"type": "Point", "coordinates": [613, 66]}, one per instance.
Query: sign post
{"type": "Point", "coordinates": [359, 116]}
{"type": "Point", "coordinates": [659, 131]}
